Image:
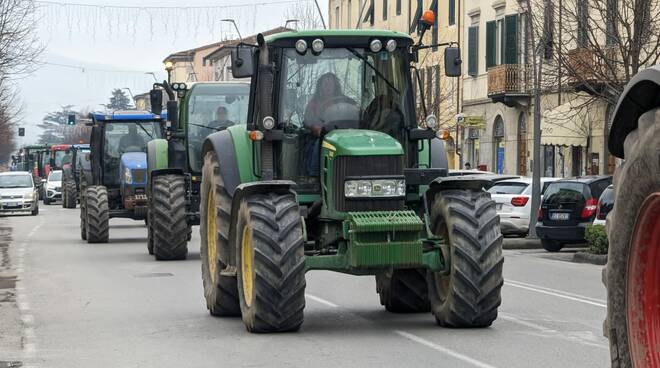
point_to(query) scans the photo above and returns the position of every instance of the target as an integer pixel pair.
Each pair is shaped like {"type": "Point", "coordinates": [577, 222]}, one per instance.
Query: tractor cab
{"type": "Point", "coordinates": [60, 154]}
{"type": "Point", "coordinates": [72, 171]}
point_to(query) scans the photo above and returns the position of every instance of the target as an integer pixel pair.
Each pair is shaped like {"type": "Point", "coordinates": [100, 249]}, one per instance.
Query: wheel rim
{"type": "Point", "coordinates": [247, 265]}
{"type": "Point", "coordinates": [211, 236]}
{"type": "Point", "coordinates": [642, 291]}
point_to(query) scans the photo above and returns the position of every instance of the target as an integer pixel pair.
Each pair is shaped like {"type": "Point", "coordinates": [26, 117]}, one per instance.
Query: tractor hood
{"type": "Point", "coordinates": [358, 142]}
{"type": "Point", "coordinates": [134, 160]}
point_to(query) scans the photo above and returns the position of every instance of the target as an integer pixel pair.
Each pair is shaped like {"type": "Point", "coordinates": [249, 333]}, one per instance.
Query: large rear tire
{"type": "Point", "coordinates": [634, 182]}
{"type": "Point", "coordinates": [220, 291]}
{"type": "Point", "coordinates": [470, 294]}
{"type": "Point", "coordinates": [168, 218]}
{"type": "Point", "coordinates": [270, 263]}
{"type": "Point", "coordinates": [404, 291]}
{"type": "Point", "coordinates": [83, 211]}
{"type": "Point", "coordinates": [97, 219]}
{"type": "Point", "coordinates": [69, 194]}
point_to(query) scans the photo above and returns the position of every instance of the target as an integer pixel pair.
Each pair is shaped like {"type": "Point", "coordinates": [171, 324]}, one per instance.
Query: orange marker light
{"type": "Point", "coordinates": [428, 17]}
{"type": "Point", "coordinates": [256, 135]}
{"type": "Point", "coordinates": [445, 135]}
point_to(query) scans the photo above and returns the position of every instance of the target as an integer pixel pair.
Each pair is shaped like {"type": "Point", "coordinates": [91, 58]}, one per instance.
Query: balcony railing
{"type": "Point", "coordinates": [509, 79]}
{"type": "Point", "coordinates": [586, 66]}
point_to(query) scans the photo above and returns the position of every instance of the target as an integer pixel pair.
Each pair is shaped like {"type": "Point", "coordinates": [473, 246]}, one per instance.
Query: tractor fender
{"type": "Point", "coordinates": [453, 182]}
{"type": "Point", "coordinates": [438, 154]}
{"type": "Point", "coordinates": [245, 190]}
{"type": "Point", "coordinates": [223, 145]}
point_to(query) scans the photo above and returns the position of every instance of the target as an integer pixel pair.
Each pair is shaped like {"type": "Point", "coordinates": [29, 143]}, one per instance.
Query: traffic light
{"type": "Point", "coordinates": [71, 120]}
{"type": "Point", "coordinates": [21, 132]}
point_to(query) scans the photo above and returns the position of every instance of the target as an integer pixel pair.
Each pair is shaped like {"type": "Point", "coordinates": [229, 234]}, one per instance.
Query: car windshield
{"type": "Point", "coordinates": [564, 192]}
{"type": "Point", "coordinates": [508, 188]}
{"type": "Point", "coordinates": [15, 181]}
{"type": "Point", "coordinates": [213, 107]}
{"type": "Point", "coordinates": [340, 88]}
{"type": "Point", "coordinates": [55, 176]}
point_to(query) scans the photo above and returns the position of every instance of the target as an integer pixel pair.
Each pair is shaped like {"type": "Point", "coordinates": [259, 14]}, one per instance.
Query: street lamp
{"type": "Point", "coordinates": [169, 66]}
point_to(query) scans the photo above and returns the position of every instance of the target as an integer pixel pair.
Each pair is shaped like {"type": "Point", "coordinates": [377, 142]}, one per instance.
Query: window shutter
{"type": "Point", "coordinates": [491, 46]}
{"type": "Point", "coordinates": [434, 29]}
{"type": "Point", "coordinates": [452, 12]}
{"type": "Point", "coordinates": [511, 35]}
{"type": "Point", "coordinates": [418, 14]}
{"type": "Point", "coordinates": [473, 50]}
{"type": "Point", "coordinates": [384, 9]}
{"type": "Point", "coordinates": [398, 7]}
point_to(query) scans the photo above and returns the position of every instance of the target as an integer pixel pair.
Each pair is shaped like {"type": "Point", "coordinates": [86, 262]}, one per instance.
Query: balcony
{"type": "Point", "coordinates": [509, 84]}
{"type": "Point", "coordinates": [587, 69]}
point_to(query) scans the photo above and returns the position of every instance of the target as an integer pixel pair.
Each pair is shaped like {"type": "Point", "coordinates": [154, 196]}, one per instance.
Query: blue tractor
{"type": "Point", "coordinates": [117, 186]}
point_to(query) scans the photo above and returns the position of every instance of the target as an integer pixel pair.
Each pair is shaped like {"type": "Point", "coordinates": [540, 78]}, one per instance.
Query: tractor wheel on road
{"type": "Point", "coordinates": [220, 291]}
{"type": "Point", "coordinates": [97, 219]}
{"type": "Point", "coordinates": [83, 212]}
{"type": "Point", "coordinates": [46, 201]}
{"type": "Point", "coordinates": [270, 263]}
{"type": "Point", "coordinates": [404, 291]}
{"type": "Point", "coordinates": [470, 294]}
{"type": "Point", "coordinates": [35, 211]}
{"type": "Point", "coordinates": [551, 245]}
{"type": "Point", "coordinates": [631, 275]}
{"type": "Point", "coordinates": [69, 194]}
{"type": "Point", "coordinates": [168, 218]}
{"type": "Point", "coordinates": [150, 237]}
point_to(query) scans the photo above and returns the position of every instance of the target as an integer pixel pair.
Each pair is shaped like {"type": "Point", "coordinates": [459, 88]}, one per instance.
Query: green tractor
{"type": "Point", "coordinates": [175, 163]}
{"type": "Point", "coordinates": [116, 184]}
{"type": "Point", "coordinates": [334, 172]}
{"type": "Point", "coordinates": [72, 172]}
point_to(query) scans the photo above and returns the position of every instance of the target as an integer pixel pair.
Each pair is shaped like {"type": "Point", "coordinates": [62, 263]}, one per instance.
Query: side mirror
{"type": "Point", "coordinates": [156, 100]}
{"type": "Point", "coordinates": [453, 62]}
{"type": "Point", "coordinates": [173, 113]}
{"type": "Point", "coordinates": [242, 62]}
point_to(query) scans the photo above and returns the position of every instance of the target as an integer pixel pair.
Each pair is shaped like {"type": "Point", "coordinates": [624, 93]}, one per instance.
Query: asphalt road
{"type": "Point", "coordinates": [66, 303]}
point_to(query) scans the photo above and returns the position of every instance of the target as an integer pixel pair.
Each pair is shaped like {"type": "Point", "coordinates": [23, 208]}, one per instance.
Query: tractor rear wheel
{"type": "Point", "coordinates": [220, 291]}
{"type": "Point", "coordinates": [470, 294]}
{"type": "Point", "coordinates": [631, 275]}
{"type": "Point", "coordinates": [168, 218]}
{"type": "Point", "coordinates": [270, 263]}
{"type": "Point", "coordinates": [97, 219]}
{"type": "Point", "coordinates": [69, 194]}
{"type": "Point", "coordinates": [150, 236]}
{"type": "Point", "coordinates": [404, 291]}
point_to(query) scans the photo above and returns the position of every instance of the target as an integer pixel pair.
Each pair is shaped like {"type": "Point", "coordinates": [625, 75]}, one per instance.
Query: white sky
{"type": "Point", "coordinates": [106, 41]}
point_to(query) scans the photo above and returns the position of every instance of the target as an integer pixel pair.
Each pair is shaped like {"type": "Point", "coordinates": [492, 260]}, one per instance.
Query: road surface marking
{"type": "Point", "coordinates": [442, 349]}
{"type": "Point", "coordinates": [322, 301]}
{"type": "Point", "coordinates": [557, 293]}
{"type": "Point", "coordinates": [550, 332]}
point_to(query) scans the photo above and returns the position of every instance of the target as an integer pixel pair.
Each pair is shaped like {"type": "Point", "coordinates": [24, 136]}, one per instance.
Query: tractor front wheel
{"type": "Point", "coordinates": [469, 295]}
{"type": "Point", "coordinates": [403, 291]}
{"type": "Point", "coordinates": [168, 218]}
{"type": "Point", "coordinates": [69, 194]}
{"type": "Point", "coordinates": [83, 211]}
{"type": "Point", "coordinates": [97, 219]}
{"type": "Point", "coordinates": [220, 291]}
{"type": "Point", "coordinates": [270, 263]}
{"type": "Point", "coordinates": [632, 276]}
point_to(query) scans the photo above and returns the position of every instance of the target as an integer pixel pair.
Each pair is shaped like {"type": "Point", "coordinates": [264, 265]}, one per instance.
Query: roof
{"type": "Point", "coordinates": [337, 33]}
{"type": "Point", "coordinates": [126, 115]}
{"type": "Point", "coordinates": [586, 179]}
{"type": "Point", "coordinates": [225, 48]}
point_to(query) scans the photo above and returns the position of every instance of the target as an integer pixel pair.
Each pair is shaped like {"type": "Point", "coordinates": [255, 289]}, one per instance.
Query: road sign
{"type": "Point", "coordinates": [21, 132]}
{"type": "Point", "coordinates": [71, 120]}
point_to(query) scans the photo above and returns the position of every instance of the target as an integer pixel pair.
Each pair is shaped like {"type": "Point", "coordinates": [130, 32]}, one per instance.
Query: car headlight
{"type": "Point", "coordinates": [375, 188]}
{"type": "Point", "coordinates": [29, 196]}
{"type": "Point", "coordinates": [128, 177]}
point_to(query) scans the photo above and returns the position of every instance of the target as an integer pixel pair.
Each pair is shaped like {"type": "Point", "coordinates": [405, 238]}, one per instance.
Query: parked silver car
{"type": "Point", "coordinates": [18, 193]}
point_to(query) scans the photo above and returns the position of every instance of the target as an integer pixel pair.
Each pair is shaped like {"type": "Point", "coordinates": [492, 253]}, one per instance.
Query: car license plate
{"type": "Point", "coordinates": [559, 216]}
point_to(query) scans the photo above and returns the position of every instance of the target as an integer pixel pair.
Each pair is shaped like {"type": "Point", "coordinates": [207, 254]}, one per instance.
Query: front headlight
{"type": "Point", "coordinates": [29, 196]}
{"type": "Point", "coordinates": [128, 177]}
{"type": "Point", "coordinates": [375, 188]}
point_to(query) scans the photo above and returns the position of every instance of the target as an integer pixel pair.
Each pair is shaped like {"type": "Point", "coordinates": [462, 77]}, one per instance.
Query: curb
{"type": "Point", "coordinates": [596, 259]}
{"type": "Point", "coordinates": [521, 243]}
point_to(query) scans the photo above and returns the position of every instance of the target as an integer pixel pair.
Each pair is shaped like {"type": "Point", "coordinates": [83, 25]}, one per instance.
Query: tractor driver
{"type": "Point", "coordinates": [132, 140]}
{"type": "Point", "coordinates": [221, 121]}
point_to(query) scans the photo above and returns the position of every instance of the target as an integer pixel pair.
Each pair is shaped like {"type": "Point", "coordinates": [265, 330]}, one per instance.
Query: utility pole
{"type": "Point", "coordinates": [536, 175]}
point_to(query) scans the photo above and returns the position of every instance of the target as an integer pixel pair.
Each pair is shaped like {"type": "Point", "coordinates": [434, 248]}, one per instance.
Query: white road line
{"type": "Point", "coordinates": [551, 332]}
{"type": "Point", "coordinates": [442, 349]}
{"type": "Point", "coordinates": [321, 300]}
{"type": "Point", "coordinates": [558, 293]}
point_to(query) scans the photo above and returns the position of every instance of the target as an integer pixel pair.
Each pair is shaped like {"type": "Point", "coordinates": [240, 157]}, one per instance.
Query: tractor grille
{"type": "Point", "coordinates": [139, 176]}
{"type": "Point", "coordinates": [366, 166]}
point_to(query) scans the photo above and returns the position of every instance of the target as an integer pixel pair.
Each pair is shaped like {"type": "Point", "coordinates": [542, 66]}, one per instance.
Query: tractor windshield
{"type": "Point", "coordinates": [60, 158]}
{"type": "Point", "coordinates": [213, 107]}
{"type": "Point", "coordinates": [122, 137]}
{"type": "Point", "coordinates": [341, 88]}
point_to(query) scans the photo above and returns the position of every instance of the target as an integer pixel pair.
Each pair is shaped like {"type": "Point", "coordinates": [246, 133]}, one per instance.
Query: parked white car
{"type": "Point", "coordinates": [53, 187]}
{"type": "Point", "coordinates": [513, 198]}
{"type": "Point", "coordinates": [18, 193]}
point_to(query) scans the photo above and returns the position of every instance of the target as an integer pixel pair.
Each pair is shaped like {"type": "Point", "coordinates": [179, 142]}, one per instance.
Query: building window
{"type": "Point", "coordinates": [369, 15]}
{"type": "Point", "coordinates": [398, 7]}
{"type": "Point", "coordinates": [384, 9]}
{"type": "Point", "coordinates": [548, 29]}
{"type": "Point", "coordinates": [473, 51]}
{"type": "Point", "coordinates": [452, 12]}
{"type": "Point", "coordinates": [610, 27]}
{"type": "Point", "coordinates": [349, 14]}
{"type": "Point", "coordinates": [337, 20]}
{"type": "Point", "coordinates": [502, 41]}
{"type": "Point", "coordinates": [582, 23]}
{"type": "Point", "coordinates": [498, 145]}
{"type": "Point", "coordinates": [434, 29]}
{"type": "Point", "coordinates": [415, 20]}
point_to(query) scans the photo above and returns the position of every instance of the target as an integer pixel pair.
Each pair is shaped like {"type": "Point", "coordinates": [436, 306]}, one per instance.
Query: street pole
{"type": "Point", "coordinates": [536, 175]}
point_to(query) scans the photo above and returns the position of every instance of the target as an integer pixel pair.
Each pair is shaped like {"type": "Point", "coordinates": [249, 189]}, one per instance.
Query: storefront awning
{"type": "Point", "coordinates": [566, 124]}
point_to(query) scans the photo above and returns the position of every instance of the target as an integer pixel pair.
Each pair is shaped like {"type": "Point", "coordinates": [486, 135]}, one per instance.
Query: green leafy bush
{"type": "Point", "coordinates": [597, 239]}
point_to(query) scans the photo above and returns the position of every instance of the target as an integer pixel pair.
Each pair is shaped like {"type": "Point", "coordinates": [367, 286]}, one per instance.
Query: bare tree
{"type": "Point", "coordinates": [305, 13]}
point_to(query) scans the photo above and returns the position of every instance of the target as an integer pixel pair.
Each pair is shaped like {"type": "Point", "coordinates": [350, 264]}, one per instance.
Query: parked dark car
{"type": "Point", "coordinates": [568, 206]}
{"type": "Point", "coordinates": [605, 205]}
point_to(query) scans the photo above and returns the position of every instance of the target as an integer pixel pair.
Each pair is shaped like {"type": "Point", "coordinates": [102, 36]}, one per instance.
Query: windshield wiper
{"type": "Point", "coordinates": [141, 127]}
{"type": "Point", "coordinates": [208, 127]}
{"type": "Point", "coordinates": [372, 67]}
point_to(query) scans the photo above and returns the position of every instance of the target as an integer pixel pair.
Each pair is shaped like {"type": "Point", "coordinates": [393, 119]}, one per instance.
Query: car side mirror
{"type": "Point", "coordinates": [453, 62]}
{"type": "Point", "coordinates": [242, 62]}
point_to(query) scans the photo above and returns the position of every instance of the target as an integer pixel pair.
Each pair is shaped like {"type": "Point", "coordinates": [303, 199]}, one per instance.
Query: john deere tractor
{"type": "Point", "coordinates": [175, 162]}
{"type": "Point", "coordinates": [117, 186]}
{"type": "Point", "coordinates": [334, 172]}
{"type": "Point", "coordinates": [71, 172]}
